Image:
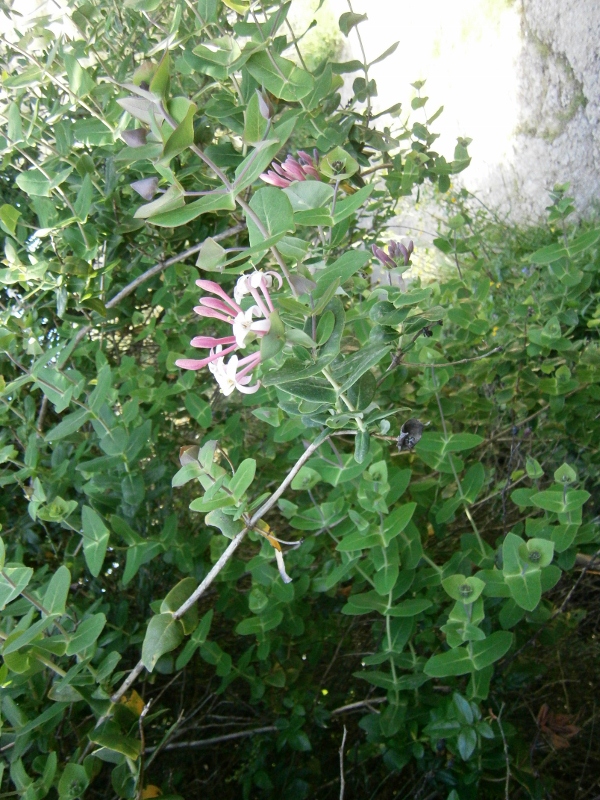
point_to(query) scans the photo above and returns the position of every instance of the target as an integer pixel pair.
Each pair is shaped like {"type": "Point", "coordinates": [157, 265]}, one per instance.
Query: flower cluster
{"type": "Point", "coordinates": [396, 252]}
{"type": "Point", "coordinates": [292, 169]}
{"type": "Point", "coordinates": [236, 373]}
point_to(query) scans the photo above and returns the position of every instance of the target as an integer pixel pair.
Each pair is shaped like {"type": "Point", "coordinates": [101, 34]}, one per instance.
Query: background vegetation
{"type": "Point", "coordinates": [436, 625]}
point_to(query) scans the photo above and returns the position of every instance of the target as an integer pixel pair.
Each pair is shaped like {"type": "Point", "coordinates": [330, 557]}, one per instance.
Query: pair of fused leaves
{"type": "Point", "coordinates": [522, 568]}
{"type": "Point", "coordinates": [221, 489]}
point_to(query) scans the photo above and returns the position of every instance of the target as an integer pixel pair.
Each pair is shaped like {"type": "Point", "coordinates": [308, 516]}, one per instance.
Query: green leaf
{"type": "Point", "coordinates": [546, 255]}
{"type": "Point", "coordinates": [177, 597]}
{"type": "Point", "coordinates": [338, 165]}
{"type": "Point", "coordinates": [55, 596]}
{"type": "Point", "coordinates": [555, 501]}
{"type": "Point", "coordinates": [242, 479]}
{"type": "Point", "coordinates": [83, 201]}
{"type": "Point", "coordinates": [226, 524]}
{"type": "Point", "coordinates": [259, 625]}
{"type": "Point", "coordinates": [196, 640]}
{"type": "Point", "coordinates": [163, 635]}
{"type": "Point", "coordinates": [396, 522]}
{"type": "Point", "coordinates": [274, 210]}
{"type": "Point", "coordinates": [139, 554]}
{"type": "Point", "coordinates": [86, 635]}
{"type": "Point", "coordinates": [159, 85]}
{"type": "Point", "coordinates": [255, 163]}
{"type": "Point", "coordinates": [115, 741]}
{"type": "Point", "coordinates": [274, 341]}
{"type": "Point", "coordinates": [219, 201]}
{"type": "Point", "coordinates": [73, 782]}
{"type": "Point", "coordinates": [308, 195]}
{"type": "Point", "coordinates": [12, 582]}
{"type": "Point", "coordinates": [68, 425]}
{"type": "Point", "coordinates": [181, 138]}
{"type": "Point", "coordinates": [255, 125]}
{"type": "Point", "coordinates": [341, 270]}
{"type": "Point", "coordinates": [9, 216]}
{"type": "Point", "coordinates": [17, 639]}
{"type": "Point", "coordinates": [95, 539]}
{"type": "Point", "coordinates": [294, 370]}
{"type": "Point", "coordinates": [409, 608]}
{"type": "Point", "coordinates": [362, 443]}
{"type": "Point", "coordinates": [565, 474]}
{"type": "Point", "coordinates": [36, 184]}
{"type": "Point", "coordinates": [211, 256]}
{"type": "Point", "coordinates": [349, 205]}
{"type": "Point", "coordinates": [199, 409]}
{"type": "Point", "coordinates": [459, 662]}
{"type": "Point", "coordinates": [279, 76]}
{"type": "Point", "coordinates": [316, 390]}
{"type": "Point", "coordinates": [462, 441]}
{"type": "Point", "coordinates": [466, 590]}
{"type": "Point", "coordinates": [358, 541]}
{"type": "Point", "coordinates": [350, 20]}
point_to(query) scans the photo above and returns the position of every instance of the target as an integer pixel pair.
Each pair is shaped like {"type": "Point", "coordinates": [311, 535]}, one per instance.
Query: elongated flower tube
{"type": "Point", "coordinates": [396, 252]}
{"type": "Point", "coordinates": [245, 325]}
{"type": "Point", "coordinates": [292, 169]}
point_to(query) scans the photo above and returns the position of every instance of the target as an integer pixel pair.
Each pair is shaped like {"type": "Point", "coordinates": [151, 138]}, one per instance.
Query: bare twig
{"type": "Point", "coordinates": [436, 365]}
{"type": "Point", "coordinates": [506, 756]}
{"type": "Point", "coordinates": [216, 739]}
{"type": "Point", "coordinates": [140, 778]}
{"type": "Point", "coordinates": [150, 273]}
{"type": "Point", "coordinates": [342, 781]}
{"type": "Point", "coordinates": [228, 552]}
{"type": "Point", "coordinates": [361, 704]}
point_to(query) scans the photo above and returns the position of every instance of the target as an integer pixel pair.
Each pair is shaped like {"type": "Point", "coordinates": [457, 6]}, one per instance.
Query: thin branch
{"type": "Point", "coordinates": [150, 273]}
{"type": "Point", "coordinates": [361, 704]}
{"type": "Point", "coordinates": [216, 739]}
{"type": "Point", "coordinates": [227, 554]}
{"type": "Point", "coordinates": [435, 365]}
{"type": "Point", "coordinates": [341, 751]}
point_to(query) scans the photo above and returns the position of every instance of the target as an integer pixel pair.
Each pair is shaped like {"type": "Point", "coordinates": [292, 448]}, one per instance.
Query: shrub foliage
{"type": "Point", "coordinates": [414, 456]}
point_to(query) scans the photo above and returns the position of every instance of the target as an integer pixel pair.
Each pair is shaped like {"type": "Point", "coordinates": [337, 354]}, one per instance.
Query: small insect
{"type": "Point", "coordinates": [410, 433]}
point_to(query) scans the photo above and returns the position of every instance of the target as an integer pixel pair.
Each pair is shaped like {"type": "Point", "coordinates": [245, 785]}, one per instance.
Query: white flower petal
{"type": "Point", "coordinates": [281, 566]}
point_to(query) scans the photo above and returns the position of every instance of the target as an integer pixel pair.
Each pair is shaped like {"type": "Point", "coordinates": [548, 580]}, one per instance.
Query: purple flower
{"type": "Point", "coordinates": [292, 169]}
{"type": "Point", "coordinates": [396, 252]}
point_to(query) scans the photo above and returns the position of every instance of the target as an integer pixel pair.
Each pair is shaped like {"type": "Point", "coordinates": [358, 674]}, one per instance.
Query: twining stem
{"type": "Point", "coordinates": [228, 553]}
{"type": "Point", "coordinates": [250, 213]}
{"type": "Point", "coordinates": [365, 70]}
{"type": "Point", "coordinates": [361, 425]}
{"type": "Point", "coordinates": [455, 363]}
{"type": "Point", "coordinates": [456, 478]}
{"type": "Point", "coordinates": [388, 630]}
{"type": "Point", "coordinates": [150, 273]}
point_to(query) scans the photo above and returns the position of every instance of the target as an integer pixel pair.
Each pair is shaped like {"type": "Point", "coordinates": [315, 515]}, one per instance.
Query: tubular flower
{"type": "Point", "coordinates": [254, 322]}
{"type": "Point", "coordinates": [396, 252]}
{"type": "Point", "coordinates": [292, 169]}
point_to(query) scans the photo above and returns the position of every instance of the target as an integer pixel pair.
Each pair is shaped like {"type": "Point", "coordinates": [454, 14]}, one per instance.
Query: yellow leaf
{"type": "Point", "coordinates": [151, 791]}
{"type": "Point", "coordinates": [135, 703]}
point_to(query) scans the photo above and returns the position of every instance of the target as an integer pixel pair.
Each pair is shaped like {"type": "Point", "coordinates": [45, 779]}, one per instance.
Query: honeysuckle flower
{"type": "Point", "coordinates": [243, 325]}
{"type": "Point", "coordinates": [292, 169]}
{"type": "Point", "coordinates": [397, 251]}
{"type": "Point", "coordinates": [228, 377]}
{"type": "Point", "coordinates": [250, 284]}
{"type": "Point", "coordinates": [255, 321]}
